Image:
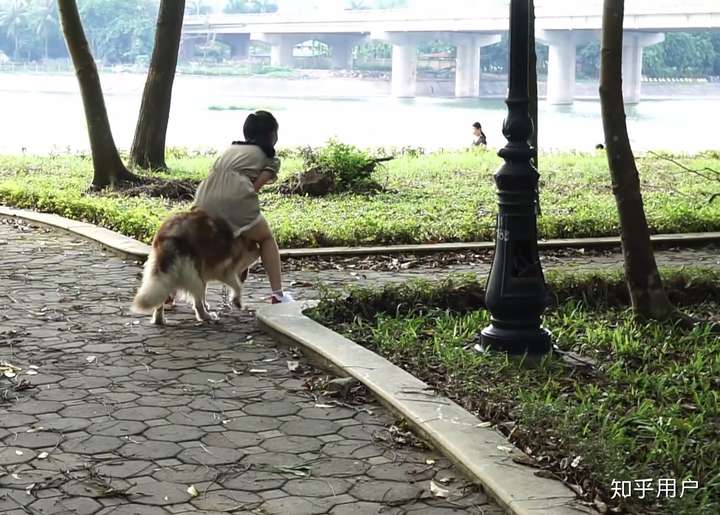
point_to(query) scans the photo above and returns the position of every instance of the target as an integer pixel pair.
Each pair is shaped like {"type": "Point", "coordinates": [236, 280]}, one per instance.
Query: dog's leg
{"type": "Point", "coordinates": [158, 317]}
{"type": "Point", "coordinates": [235, 283]}
{"type": "Point", "coordinates": [201, 308]}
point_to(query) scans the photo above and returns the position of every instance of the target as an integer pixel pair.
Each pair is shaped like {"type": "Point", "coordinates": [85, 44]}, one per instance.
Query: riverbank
{"type": "Point", "coordinates": [440, 197]}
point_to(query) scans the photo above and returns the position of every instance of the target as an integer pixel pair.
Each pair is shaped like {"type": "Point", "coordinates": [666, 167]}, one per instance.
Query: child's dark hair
{"type": "Point", "coordinates": [259, 126]}
{"type": "Point", "coordinates": [477, 125]}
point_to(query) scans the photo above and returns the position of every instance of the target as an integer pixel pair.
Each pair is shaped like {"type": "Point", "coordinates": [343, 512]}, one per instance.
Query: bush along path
{"type": "Point", "coordinates": [102, 413]}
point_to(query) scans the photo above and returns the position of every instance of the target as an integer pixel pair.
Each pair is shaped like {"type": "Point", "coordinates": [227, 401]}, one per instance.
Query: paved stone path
{"type": "Point", "coordinates": [111, 415]}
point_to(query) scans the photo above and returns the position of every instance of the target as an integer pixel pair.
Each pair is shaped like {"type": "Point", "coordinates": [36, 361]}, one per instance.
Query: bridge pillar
{"type": "Point", "coordinates": [632, 57]}
{"type": "Point", "coordinates": [467, 67]}
{"type": "Point", "coordinates": [188, 46]}
{"type": "Point", "coordinates": [404, 69]}
{"type": "Point", "coordinates": [561, 62]}
{"type": "Point", "coordinates": [281, 53]}
{"type": "Point", "coordinates": [341, 48]}
{"type": "Point", "coordinates": [342, 55]}
{"type": "Point", "coordinates": [239, 45]}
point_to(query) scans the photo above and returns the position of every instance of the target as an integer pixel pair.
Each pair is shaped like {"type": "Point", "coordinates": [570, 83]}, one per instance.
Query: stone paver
{"type": "Point", "coordinates": [121, 417]}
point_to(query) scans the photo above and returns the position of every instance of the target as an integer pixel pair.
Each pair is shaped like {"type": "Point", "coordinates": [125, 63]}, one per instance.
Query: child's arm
{"type": "Point", "coordinates": [264, 177]}
{"type": "Point", "coordinates": [268, 174]}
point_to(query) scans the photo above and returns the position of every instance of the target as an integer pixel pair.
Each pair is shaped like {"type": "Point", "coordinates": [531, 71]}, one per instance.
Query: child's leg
{"type": "Point", "coordinates": [269, 252]}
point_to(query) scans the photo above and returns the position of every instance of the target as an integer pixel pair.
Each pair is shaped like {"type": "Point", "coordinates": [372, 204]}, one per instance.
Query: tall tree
{"type": "Point", "coordinates": [44, 17]}
{"type": "Point", "coordinates": [148, 148]}
{"type": "Point", "coordinates": [647, 294]}
{"type": "Point", "coordinates": [13, 20]}
{"type": "Point", "coordinates": [108, 167]}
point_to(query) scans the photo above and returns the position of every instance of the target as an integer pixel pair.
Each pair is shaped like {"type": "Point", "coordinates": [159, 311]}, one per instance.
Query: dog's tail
{"type": "Point", "coordinates": [155, 288]}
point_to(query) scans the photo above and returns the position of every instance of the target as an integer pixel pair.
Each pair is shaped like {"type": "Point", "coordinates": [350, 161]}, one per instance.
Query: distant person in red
{"type": "Point", "coordinates": [480, 138]}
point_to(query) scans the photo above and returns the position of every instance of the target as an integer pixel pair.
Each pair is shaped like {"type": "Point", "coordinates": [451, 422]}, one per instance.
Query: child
{"type": "Point", "coordinates": [231, 191]}
{"type": "Point", "coordinates": [480, 138]}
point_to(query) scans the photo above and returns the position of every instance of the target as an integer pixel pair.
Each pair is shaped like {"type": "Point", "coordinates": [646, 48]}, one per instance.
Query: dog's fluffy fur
{"type": "Point", "coordinates": [189, 250]}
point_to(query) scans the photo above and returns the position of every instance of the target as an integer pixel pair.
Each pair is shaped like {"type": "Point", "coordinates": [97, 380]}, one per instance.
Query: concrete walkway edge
{"type": "Point", "coordinates": [482, 452]}
{"type": "Point", "coordinates": [131, 248]}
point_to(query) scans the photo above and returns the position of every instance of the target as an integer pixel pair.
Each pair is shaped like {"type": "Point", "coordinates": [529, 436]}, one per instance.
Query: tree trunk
{"type": "Point", "coordinates": [148, 148]}
{"type": "Point", "coordinates": [647, 294]}
{"type": "Point", "coordinates": [108, 167]}
{"type": "Point", "coordinates": [533, 95]}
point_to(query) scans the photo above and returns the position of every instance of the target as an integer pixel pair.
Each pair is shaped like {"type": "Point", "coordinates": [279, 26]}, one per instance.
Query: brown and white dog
{"type": "Point", "coordinates": [189, 250]}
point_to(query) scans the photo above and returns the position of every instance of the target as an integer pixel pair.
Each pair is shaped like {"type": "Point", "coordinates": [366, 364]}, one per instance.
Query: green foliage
{"type": "Point", "coordinates": [361, 5]}
{"type": "Point", "coordinates": [429, 198]}
{"type": "Point", "coordinates": [646, 408]}
{"type": "Point", "coordinates": [119, 31]}
{"type": "Point", "coordinates": [683, 54]}
{"type": "Point", "coordinates": [350, 167]}
{"type": "Point", "coordinates": [250, 6]}
{"type": "Point", "coordinates": [214, 51]}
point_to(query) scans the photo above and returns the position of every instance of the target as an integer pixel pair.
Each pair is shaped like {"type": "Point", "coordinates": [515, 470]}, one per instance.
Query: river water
{"type": "Point", "coordinates": [43, 113]}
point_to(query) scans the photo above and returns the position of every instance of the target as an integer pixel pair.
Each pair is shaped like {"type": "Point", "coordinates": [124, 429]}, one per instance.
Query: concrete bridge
{"type": "Point", "coordinates": [562, 25]}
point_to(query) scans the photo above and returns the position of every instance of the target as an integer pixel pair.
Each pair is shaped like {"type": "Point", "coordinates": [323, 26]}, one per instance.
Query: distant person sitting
{"type": "Point", "coordinates": [480, 138]}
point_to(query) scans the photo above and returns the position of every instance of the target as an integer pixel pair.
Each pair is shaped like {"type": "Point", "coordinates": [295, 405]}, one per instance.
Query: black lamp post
{"type": "Point", "coordinates": [516, 293]}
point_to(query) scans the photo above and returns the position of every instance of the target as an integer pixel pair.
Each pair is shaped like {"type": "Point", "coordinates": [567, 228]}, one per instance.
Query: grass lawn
{"type": "Point", "coordinates": [647, 407]}
{"type": "Point", "coordinates": [440, 197]}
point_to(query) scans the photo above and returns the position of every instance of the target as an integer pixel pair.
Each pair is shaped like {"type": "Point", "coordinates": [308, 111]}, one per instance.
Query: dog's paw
{"type": "Point", "coordinates": [208, 316]}
{"type": "Point", "coordinates": [237, 302]}
{"type": "Point", "coordinates": [158, 320]}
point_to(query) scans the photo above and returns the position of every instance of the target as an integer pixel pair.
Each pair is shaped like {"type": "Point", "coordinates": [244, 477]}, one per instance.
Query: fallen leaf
{"type": "Point", "coordinates": [90, 359]}
{"type": "Point", "coordinates": [9, 374]}
{"type": "Point", "coordinates": [430, 461]}
{"type": "Point", "coordinates": [505, 448]}
{"type": "Point", "coordinates": [293, 365]}
{"type": "Point", "coordinates": [576, 462]}
{"type": "Point", "coordinates": [484, 424]}
{"type": "Point", "coordinates": [324, 406]}
{"type": "Point", "coordinates": [193, 491]}
{"type": "Point", "coordinates": [15, 476]}
{"type": "Point", "coordinates": [258, 371]}
{"type": "Point", "coordinates": [31, 372]}
{"type": "Point", "coordinates": [438, 491]}
{"type": "Point", "coordinates": [19, 453]}
{"type": "Point", "coordinates": [43, 455]}
{"type": "Point", "coordinates": [34, 367]}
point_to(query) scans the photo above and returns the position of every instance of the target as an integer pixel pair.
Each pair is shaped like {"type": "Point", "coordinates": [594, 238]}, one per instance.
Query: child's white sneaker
{"type": "Point", "coordinates": [281, 298]}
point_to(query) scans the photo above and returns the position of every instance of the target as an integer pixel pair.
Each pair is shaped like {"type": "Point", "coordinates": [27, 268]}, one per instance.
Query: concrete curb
{"type": "Point", "coordinates": [130, 248]}
{"type": "Point", "coordinates": [125, 246]}
{"type": "Point", "coordinates": [482, 452]}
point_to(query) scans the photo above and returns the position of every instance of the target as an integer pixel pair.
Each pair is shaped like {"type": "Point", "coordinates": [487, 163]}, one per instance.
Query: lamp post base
{"type": "Point", "coordinates": [515, 341]}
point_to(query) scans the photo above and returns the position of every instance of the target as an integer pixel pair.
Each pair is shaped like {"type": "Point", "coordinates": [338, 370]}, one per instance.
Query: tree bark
{"type": "Point", "coordinates": [148, 148]}
{"type": "Point", "coordinates": [647, 294]}
{"type": "Point", "coordinates": [108, 167]}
